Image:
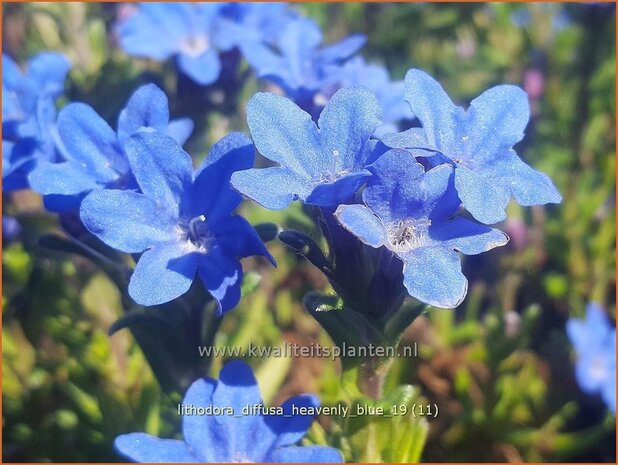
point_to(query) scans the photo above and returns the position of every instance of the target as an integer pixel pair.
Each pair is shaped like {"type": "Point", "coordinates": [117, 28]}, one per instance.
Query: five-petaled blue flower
{"type": "Point", "coordinates": [94, 157]}
{"type": "Point", "coordinates": [299, 66]}
{"type": "Point", "coordinates": [321, 165]}
{"type": "Point", "coordinates": [183, 223]}
{"type": "Point", "coordinates": [29, 114]}
{"type": "Point", "coordinates": [594, 340]}
{"type": "Point", "coordinates": [411, 213]}
{"type": "Point", "coordinates": [188, 31]}
{"type": "Point", "coordinates": [478, 143]}
{"type": "Point", "coordinates": [246, 436]}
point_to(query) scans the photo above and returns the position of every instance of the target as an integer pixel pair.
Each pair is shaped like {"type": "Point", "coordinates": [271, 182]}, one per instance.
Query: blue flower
{"type": "Point", "coordinates": [253, 22]}
{"type": "Point", "coordinates": [594, 341]}
{"type": "Point", "coordinates": [29, 114]}
{"type": "Point", "coordinates": [357, 72]}
{"type": "Point", "coordinates": [183, 223]}
{"type": "Point", "coordinates": [187, 31]}
{"type": "Point", "coordinates": [411, 213]}
{"type": "Point", "coordinates": [245, 435]}
{"type": "Point", "coordinates": [299, 66]}
{"type": "Point", "coordinates": [93, 153]}
{"type": "Point", "coordinates": [321, 165]}
{"type": "Point", "coordinates": [478, 143]}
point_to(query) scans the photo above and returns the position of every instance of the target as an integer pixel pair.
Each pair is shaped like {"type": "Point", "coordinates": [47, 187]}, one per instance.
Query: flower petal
{"type": "Point", "coordinates": [412, 138]}
{"type": "Point", "coordinates": [144, 448]}
{"type": "Point", "coordinates": [363, 223]}
{"type": "Point", "coordinates": [180, 129]}
{"type": "Point", "coordinates": [274, 188]}
{"type": "Point", "coordinates": [528, 186]}
{"type": "Point", "coordinates": [242, 435]}
{"type": "Point", "coordinates": [496, 119]}
{"type": "Point", "coordinates": [433, 276]}
{"type": "Point", "coordinates": [347, 123]}
{"type": "Point", "coordinates": [339, 191]}
{"type": "Point", "coordinates": [434, 109]}
{"type": "Point", "coordinates": [222, 276]}
{"type": "Point", "coordinates": [48, 70]}
{"type": "Point", "coordinates": [342, 50]}
{"type": "Point", "coordinates": [238, 237]}
{"type": "Point", "coordinates": [285, 134]}
{"type": "Point", "coordinates": [147, 108]}
{"type": "Point", "coordinates": [89, 140]}
{"type": "Point", "coordinates": [199, 431]}
{"type": "Point", "coordinates": [162, 168]}
{"type": "Point", "coordinates": [203, 69]}
{"type": "Point", "coordinates": [290, 427]}
{"type": "Point", "coordinates": [67, 178]}
{"type": "Point", "coordinates": [127, 221]}
{"type": "Point", "coordinates": [212, 193]}
{"type": "Point", "coordinates": [306, 454]}
{"type": "Point", "coordinates": [466, 236]}
{"type": "Point", "coordinates": [162, 273]}
{"type": "Point", "coordinates": [483, 197]}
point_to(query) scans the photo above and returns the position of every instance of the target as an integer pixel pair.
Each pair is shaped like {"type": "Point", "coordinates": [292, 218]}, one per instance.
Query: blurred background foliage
{"type": "Point", "coordinates": [499, 367]}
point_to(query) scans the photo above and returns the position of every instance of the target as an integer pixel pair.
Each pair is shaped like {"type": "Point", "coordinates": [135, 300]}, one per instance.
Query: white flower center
{"type": "Point", "coordinates": [406, 235]}
{"type": "Point", "coordinates": [195, 45]}
{"type": "Point", "coordinates": [194, 233]}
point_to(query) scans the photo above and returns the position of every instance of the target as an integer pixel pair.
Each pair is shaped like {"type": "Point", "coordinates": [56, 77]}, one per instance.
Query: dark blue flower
{"type": "Point", "coordinates": [478, 143]}
{"type": "Point", "coordinates": [243, 434]}
{"type": "Point", "coordinates": [298, 65]}
{"type": "Point", "coordinates": [187, 31]}
{"type": "Point", "coordinates": [29, 114]}
{"type": "Point", "coordinates": [411, 213]}
{"type": "Point", "coordinates": [183, 223]}
{"type": "Point", "coordinates": [93, 153]}
{"type": "Point", "coordinates": [320, 165]}
{"type": "Point", "coordinates": [594, 341]}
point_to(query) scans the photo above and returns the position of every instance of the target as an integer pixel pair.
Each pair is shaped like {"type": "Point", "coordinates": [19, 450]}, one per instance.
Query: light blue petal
{"type": "Point", "coordinates": [162, 274]}
{"type": "Point", "coordinates": [307, 454]}
{"type": "Point", "coordinates": [12, 77]}
{"type": "Point", "coordinates": [163, 170]}
{"type": "Point", "coordinates": [144, 448]}
{"type": "Point", "coordinates": [528, 186]}
{"type": "Point", "coordinates": [274, 188]}
{"type": "Point", "coordinates": [212, 194]}
{"type": "Point", "coordinates": [238, 237]}
{"type": "Point", "coordinates": [199, 431]}
{"type": "Point", "coordinates": [156, 30]}
{"type": "Point", "coordinates": [342, 50]}
{"type": "Point", "coordinates": [495, 119]}
{"type": "Point", "coordinates": [127, 221]}
{"type": "Point", "coordinates": [434, 109]}
{"type": "Point", "coordinates": [363, 223]}
{"type": "Point", "coordinates": [291, 427]}
{"type": "Point", "coordinates": [68, 178]}
{"type": "Point", "coordinates": [285, 134]}
{"type": "Point", "coordinates": [347, 123]}
{"type": "Point", "coordinates": [180, 129]}
{"type": "Point", "coordinates": [433, 276]}
{"type": "Point", "coordinates": [89, 140]}
{"type": "Point", "coordinates": [147, 108]}
{"type": "Point", "coordinates": [203, 69]}
{"type": "Point", "coordinates": [412, 138]}
{"type": "Point", "coordinates": [466, 236]}
{"type": "Point", "coordinates": [47, 71]}
{"type": "Point", "coordinates": [222, 277]}
{"type": "Point", "coordinates": [484, 198]}
{"type": "Point", "coordinates": [334, 193]}
{"type": "Point", "coordinates": [242, 435]}
{"type": "Point", "coordinates": [261, 57]}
